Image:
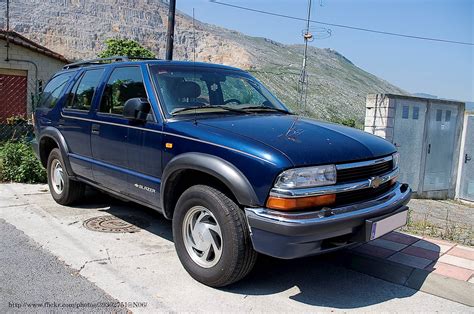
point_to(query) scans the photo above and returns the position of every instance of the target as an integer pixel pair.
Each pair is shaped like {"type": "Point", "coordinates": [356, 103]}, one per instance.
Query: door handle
{"type": "Point", "coordinates": [429, 148]}
{"type": "Point", "coordinates": [95, 129]}
{"type": "Point", "coordinates": [467, 158]}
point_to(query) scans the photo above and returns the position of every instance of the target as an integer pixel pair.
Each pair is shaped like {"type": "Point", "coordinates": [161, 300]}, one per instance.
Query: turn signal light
{"type": "Point", "coordinates": [281, 203]}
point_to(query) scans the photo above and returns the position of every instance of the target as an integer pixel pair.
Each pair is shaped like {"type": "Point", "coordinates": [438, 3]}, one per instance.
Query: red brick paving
{"type": "Point", "coordinates": [451, 271]}
{"type": "Point", "coordinates": [420, 252]}
{"type": "Point", "coordinates": [374, 250]}
{"type": "Point", "coordinates": [459, 252]}
{"type": "Point", "coordinates": [424, 250]}
{"type": "Point", "coordinates": [400, 238]}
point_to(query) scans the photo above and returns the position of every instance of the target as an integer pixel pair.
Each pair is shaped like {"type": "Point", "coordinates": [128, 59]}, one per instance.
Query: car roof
{"type": "Point", "coordinates": [190, 64]}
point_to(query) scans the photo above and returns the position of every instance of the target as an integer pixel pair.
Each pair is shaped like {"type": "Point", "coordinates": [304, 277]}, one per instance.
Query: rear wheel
{"type": "Point", "coordinates": [211, 237]}
{"type": "Point", "coordinates": [64, 190]}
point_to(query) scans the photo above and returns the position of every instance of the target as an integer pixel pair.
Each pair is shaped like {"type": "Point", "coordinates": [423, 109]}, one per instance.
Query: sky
{"type": "Point", "coordinates": [417, 66]}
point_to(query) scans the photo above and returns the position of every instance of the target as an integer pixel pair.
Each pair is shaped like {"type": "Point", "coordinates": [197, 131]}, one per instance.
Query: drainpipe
{"type": "Point", "coordinates": [8, 30]}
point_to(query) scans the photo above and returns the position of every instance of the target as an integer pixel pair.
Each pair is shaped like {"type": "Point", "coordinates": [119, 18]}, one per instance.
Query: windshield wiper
{"type": "Point", "coordinates": [206, 107]}
{"type": "Point", "coordinates": [265, 108]}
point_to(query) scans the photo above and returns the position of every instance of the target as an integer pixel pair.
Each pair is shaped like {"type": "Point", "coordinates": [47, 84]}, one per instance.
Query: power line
{"type": "Point", "coordinates": [343, 26]}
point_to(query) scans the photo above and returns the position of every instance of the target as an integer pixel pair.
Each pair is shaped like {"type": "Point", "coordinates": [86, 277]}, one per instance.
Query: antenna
{"type": "Point", "coordinates": [303, 82]}
{"type": "Point", "coordinates": [194, 64]}
{"type": "Point", "coordinates": [194, 40]}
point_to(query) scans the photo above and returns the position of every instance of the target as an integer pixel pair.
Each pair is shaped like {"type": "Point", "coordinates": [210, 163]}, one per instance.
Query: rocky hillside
{"type": "Point", "coordinates": [77, 29]}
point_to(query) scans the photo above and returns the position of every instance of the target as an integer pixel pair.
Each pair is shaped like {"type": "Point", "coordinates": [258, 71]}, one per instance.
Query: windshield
{"type": "Point", "coordinates": [200, 90]}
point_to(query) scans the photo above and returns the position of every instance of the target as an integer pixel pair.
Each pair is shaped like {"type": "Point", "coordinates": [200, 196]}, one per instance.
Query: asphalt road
{"type": "Point", "coordinates": [32, 279]}
{"type": "Point", "coordinates": [143, 266]}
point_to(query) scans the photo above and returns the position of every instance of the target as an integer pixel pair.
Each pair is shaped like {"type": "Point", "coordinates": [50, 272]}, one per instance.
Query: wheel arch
{"type": "Point", "coordinates": [212, 168]}
{"type": "Point", "coordinates": [49, 139]}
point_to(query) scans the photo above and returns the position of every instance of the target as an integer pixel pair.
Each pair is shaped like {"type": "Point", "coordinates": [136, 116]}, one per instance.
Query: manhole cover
{"type": "Point", "coordinates": [114, 224]}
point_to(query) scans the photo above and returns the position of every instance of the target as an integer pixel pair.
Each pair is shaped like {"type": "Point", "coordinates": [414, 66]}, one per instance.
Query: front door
{"type": "Point", "coordinates": [467, 174]}
{"type": "Point", "coordinates": [125, 158]}
{"type": "Point", "coordinates": [440, 150]}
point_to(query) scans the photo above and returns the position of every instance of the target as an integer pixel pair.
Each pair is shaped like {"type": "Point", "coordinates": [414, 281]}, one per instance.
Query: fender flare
{"type": "Point", "coordinates": [217, 167]}
{"type": "Point", "coordinates": [56, 135]}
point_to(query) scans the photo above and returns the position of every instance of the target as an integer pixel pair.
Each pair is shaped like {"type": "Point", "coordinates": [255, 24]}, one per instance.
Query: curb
{"type": "Point", "coordinates": [414, 278]}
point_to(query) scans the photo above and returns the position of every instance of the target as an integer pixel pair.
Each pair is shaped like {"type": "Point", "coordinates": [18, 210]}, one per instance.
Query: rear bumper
{"type": "Point", "coordinates": [291, 235]}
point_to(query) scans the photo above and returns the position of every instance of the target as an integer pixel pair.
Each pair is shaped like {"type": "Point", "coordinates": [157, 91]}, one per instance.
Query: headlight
{"type": "Point", "coordinates": [396, 160]}
{"type": "Point", "coordinates": [307, 177]}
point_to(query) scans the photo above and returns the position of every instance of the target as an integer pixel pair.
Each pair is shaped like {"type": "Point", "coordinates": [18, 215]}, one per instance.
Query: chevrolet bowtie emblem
{"type": "Point", "coordinates": [375, 182]}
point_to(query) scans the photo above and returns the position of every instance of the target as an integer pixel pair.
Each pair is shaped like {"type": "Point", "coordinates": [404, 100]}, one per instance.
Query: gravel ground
{"type": "Point", "coordinates": [448, 220]}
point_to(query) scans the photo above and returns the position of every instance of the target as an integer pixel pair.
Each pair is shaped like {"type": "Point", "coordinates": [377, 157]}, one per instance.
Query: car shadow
{"type": "Point", "coordinates": [323, 280]}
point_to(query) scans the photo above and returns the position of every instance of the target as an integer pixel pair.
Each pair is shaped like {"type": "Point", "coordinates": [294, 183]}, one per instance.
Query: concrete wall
{"type": "Point", "coordinates": [45, 66]}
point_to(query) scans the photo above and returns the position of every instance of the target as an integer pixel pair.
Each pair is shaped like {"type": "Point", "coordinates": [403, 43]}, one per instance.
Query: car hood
{"type": "Point", "coordinates": [305, 141]}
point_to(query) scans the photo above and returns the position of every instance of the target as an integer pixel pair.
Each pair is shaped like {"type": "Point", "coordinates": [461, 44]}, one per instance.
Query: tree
{"type": "Point", "coordinates": [125, 47]}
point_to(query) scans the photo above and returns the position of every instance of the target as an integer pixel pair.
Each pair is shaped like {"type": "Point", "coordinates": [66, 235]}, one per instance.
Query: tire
{"type": "Point", "coordinates": [236, 258]}
{"type": "Point", "coordinates": [64, 190]}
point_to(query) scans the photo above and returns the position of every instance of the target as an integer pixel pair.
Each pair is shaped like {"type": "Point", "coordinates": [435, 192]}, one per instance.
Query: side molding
{"type": "Point", "coordinates": [53, 133]}
{"type": "Point", "coordinates": [216, 167]}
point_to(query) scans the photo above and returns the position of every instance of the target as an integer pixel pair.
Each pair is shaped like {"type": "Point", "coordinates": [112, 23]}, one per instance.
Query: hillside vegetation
{"type": "Point", "coordinates": [77, 29]}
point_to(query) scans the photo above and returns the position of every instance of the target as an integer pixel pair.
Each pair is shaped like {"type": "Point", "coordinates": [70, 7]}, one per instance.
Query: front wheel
{"type": "Point", "coordinates": [64, 190]}
{"type": "Point", "coordinates": [211, 237]}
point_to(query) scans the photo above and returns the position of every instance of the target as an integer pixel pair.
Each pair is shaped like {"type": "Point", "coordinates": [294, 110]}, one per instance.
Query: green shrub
{"type": "Point", "coordinates": [18, 163]}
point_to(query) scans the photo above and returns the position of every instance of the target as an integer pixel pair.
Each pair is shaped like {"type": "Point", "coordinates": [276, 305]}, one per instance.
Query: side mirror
{"type": "Point", "coordinates": [136, 109]}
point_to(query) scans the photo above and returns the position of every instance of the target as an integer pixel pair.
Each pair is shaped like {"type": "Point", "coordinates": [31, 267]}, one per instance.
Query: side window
{"type": "Point", "coordinates": [124, 83]}
{"type": "Point", "coordinates": [82, 93]}
{"type": "Point", "coordinates": [53, 90]}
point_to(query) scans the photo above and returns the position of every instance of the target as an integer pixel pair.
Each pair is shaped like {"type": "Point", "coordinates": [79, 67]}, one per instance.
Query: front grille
{"type": "Point", "coordinates": [363, 173]}
{"type": "Point", "coordinates": [361, 195]}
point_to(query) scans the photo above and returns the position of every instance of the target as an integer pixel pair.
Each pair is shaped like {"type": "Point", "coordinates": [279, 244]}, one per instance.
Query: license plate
{"type": "Point", "coordinates": [385, 225]}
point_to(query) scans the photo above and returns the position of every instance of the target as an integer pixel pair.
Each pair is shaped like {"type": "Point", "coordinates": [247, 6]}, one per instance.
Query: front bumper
{"type": "Point", "coordinates": [291, 235]}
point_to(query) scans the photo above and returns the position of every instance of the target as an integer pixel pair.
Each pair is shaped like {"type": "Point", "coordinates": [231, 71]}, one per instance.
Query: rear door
{"type": "Point", "coordinates": [75, 122]}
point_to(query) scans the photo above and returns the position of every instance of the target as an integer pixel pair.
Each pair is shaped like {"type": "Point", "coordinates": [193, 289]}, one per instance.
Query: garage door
{"type": "Point", "coordinates": [13, 96]}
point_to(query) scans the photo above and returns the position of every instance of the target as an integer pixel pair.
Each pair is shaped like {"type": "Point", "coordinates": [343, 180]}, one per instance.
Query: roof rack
{"type": "Point", "coordinates": [102, 60]}
{"type": "Point", "coordinates": [96, 61]}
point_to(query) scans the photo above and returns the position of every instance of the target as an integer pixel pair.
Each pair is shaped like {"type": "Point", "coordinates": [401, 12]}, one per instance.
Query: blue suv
{"type": "Point", "coordinates": [212, 149]}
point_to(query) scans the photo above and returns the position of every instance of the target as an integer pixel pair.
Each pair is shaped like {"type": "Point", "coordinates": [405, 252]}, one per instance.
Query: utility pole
{"type": "Point", "coordinates": [170, 33]}
{"type": "Point", "coordinates": [303, 82]}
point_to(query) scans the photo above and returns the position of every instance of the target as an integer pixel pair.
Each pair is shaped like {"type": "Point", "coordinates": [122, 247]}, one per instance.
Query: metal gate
{"type": "Point", "coordinates": [441, 133]}
{"type": "Point", "coordinates": [467, 173]}
{"type": "Point", "coordinates": [13, 96]}
{"type": "Point", "coordinates": [408, 138]}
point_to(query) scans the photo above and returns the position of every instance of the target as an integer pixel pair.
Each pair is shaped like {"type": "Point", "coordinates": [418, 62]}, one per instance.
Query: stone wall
{"type": "Point", "coordinates": [380, 116]}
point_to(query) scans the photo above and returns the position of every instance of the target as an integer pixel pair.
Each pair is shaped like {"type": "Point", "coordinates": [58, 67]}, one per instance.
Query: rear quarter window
{"type": "Point", "coordinates": [54, 90]}
{"type": "Point", "coordinates": [82, 93]}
